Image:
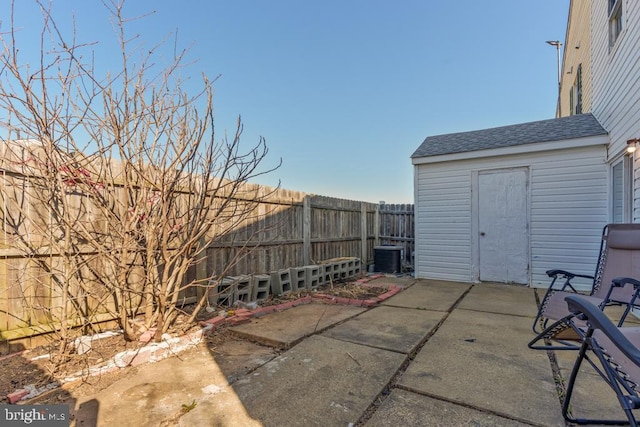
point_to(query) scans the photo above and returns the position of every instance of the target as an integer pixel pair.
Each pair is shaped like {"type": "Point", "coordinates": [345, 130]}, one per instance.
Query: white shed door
{"type": "Point", "coordinates": [503, 226]}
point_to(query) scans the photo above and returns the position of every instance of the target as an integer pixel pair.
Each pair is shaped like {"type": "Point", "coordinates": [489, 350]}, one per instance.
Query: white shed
{"type": "Point", "coordinates": [506, 204]}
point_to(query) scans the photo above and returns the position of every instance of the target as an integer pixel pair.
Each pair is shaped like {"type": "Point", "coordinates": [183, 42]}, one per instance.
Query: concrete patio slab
{"type": "Point", "coordinates": [286, 328]}
{"type": "Point", "coordinates": [157, 391]}
{"type": "Point", "coordinates": [390, 328]}
{"type": "Point", "coordinates": [429, 295]}
{"type": "Point", "coordinates": [403, 408]}
{"type": "Point", "coordinates": [236, 357]}
{"type": "Point", "coordinates": [475, 369]}
{"type": "Point", "coordinates": [321, 381]}
{"type": "Point", "coordinates": [482, 360]}
{"type": "Point", "coordinates": [516, 300]}
{"type": "Point", "coordinates": [592, 397]}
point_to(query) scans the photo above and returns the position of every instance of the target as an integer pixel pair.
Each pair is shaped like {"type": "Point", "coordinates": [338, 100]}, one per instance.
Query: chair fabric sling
{"type": "Point", "coordinates": [619, 257]}
{"type": "Point", "coordinates": [614, 353]}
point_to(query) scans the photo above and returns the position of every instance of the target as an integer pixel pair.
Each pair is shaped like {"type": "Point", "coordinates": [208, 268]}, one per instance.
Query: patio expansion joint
{"type": "Point", "coordinates": [279, 349]}
{"type": "Point", "coordinates": [277, 345]}
{"type": "Point", "coordinates": [371, 346]}
{"type": "Point", "coordinates": [466, 405]}
{"type": "Point", "coordinates": [416, 308]}
{"type": "Point", "coordinates": [393, 383]}
{"type": "Point", "coordinates": [558, 379]}
{"type": "Point", "coordinates": [500, 313]}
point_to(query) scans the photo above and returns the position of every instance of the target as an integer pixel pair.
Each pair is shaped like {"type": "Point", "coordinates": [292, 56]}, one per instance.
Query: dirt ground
{"type": "Point", "coordinates": [41, 367]}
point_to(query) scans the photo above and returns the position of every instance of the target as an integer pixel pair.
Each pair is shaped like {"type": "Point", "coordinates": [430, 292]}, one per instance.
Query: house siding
{"type": "Point", "coordinates": [616, 84]}
{"type": "Point", "coordinates": [568, 208]}
{"type": "Point", "coordinates": [616, 76]}
{"type": "Point", "coordinates": [577, 50]}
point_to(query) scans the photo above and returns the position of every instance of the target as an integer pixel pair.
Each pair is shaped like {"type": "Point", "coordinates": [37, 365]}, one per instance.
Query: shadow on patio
{"type": "Point", "coordinates": [437, 353]}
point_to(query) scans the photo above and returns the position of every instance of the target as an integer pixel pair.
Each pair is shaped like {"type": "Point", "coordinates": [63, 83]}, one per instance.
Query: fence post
{"type": "Point", "coordinates": [306, 230]}
{"type": "Point", "coordinates": [376, 226]}
{"type": "Point", "coordinates": [364, 256]}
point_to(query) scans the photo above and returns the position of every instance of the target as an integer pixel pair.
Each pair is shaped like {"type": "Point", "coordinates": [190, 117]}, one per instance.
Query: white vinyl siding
{"type": "Point", "coordinates": [569, 207]}
{"type": "Point", "coordinates": [577, 52]}
{"type": "Point", "coordinates": [616, 82]}
{"type": "Point", "coordinates": [444, 221]}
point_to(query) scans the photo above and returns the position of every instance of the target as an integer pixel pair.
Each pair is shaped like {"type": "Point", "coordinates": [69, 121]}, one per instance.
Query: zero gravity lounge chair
{"type": "Point", "coordinates": [619, 257]}
{"type": "Point", "coordinates": [614, 354]}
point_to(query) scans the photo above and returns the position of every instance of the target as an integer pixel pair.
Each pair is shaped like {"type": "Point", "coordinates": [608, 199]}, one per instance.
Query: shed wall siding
{"type": "Point", "coordinates": [443, 223]}
{"type": "Point", "coordinates": [568, 208]}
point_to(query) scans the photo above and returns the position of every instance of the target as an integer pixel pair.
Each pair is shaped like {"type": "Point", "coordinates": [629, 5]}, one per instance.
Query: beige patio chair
{"type": "Point", "coordinates": [619, 257]}
{"type": "Point", "coordinates": [614, 354]}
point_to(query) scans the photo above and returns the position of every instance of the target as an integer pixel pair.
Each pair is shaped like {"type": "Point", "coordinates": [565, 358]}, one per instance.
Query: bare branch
{"type": "Point", "coordinates": [123, 184]}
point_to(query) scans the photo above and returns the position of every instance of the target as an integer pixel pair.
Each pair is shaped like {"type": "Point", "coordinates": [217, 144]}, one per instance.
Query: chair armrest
{"type": "Point", "coordinates": [556, 272]}
{"type": "Point", "coordinates": [619, 282]}
{"type": "Point", "coordinates": [567, 274]}
{"type": "Point", "coordinates": [596, 319]}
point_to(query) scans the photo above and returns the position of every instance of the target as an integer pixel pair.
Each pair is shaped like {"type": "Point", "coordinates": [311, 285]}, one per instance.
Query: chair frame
{"type": "Point", "coordinates": [611, 373]}
{"type": "Point", "coordinates": [546, 331]}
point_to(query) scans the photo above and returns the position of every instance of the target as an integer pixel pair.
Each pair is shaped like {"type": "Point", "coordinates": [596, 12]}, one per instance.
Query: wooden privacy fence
{"type": "Point", "coordinates": [290, 229]}
{"type": "Point", "coordinates": [309, 229]}
{"type": "Point", "coordinates": [397, 229]}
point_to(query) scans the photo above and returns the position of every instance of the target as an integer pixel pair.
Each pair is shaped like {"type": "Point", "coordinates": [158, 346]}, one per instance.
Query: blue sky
{"type": "Point", "coordinates": [345, 90]}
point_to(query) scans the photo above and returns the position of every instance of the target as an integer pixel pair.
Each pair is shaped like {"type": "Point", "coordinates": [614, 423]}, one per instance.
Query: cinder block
{"type": "Point", "coordinates": [280, 282]}
{"type": "Point", "coordinates": [244, 288]}
{"type": "Point", "coordinates": [224, 293]}
{"type": "Point", "coordinates": [328, 273]}
{"type": "Point", "coordinates": [220, 292]}
{"type": "Point", "coordinates": [339, 270]}
{"type": "Point", "coordinates": [298, 277]}
{"type": "Point", "coordinates": [321, 275]}
{"type": "Point", "coordinates": [354, 268]}
{"type": "Point", "coordinates": [313, 276]}
{"type": "Point", "coordinates": [261, 287]}
{"type": "Point", "coordinates": [343, 269]}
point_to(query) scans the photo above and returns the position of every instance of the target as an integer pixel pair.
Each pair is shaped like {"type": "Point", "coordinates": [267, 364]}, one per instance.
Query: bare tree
{"type": "Point", "coordinates": [117, 184]}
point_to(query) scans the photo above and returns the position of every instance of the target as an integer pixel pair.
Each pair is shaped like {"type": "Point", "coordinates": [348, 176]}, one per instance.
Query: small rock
{"type": "Point", "coordinates": [82, 344]}
{"type": "Point", "coordinates": [248, 305]}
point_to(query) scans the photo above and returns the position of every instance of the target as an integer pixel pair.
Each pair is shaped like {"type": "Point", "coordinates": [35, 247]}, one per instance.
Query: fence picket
{"type": "Point", "coordinates": [293, 229]}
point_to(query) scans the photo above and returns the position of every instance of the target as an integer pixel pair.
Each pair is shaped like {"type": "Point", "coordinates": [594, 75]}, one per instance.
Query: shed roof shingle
{"type": "Point", "coordinates": [577, 126]}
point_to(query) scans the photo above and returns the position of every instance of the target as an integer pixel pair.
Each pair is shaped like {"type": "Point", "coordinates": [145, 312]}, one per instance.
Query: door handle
{"type": "Point", "coordinates": [482, 233]}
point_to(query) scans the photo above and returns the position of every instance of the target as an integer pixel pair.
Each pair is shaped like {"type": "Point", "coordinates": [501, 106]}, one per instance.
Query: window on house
{"type": "Point", "coordinates": [621, 191]}
{"type": "Point", "coordinates": [615, 21]}
{"type": "Point", "coordinates": [575, 94]}
{"type": "Point", "coordinates": [578, 86]}
{"type": "Point", "coordinates": [572, 102]}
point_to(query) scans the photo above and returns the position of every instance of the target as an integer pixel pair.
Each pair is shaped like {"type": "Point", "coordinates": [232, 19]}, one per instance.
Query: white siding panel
{"type": "Point", "coordinates": [444, 222]}
{"type": "Point", "coordinates": [568, 208]}
{"type": "Point", "coordinates": [616, 82]}
{"type": "Point", "coordinates": [577, 51]}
